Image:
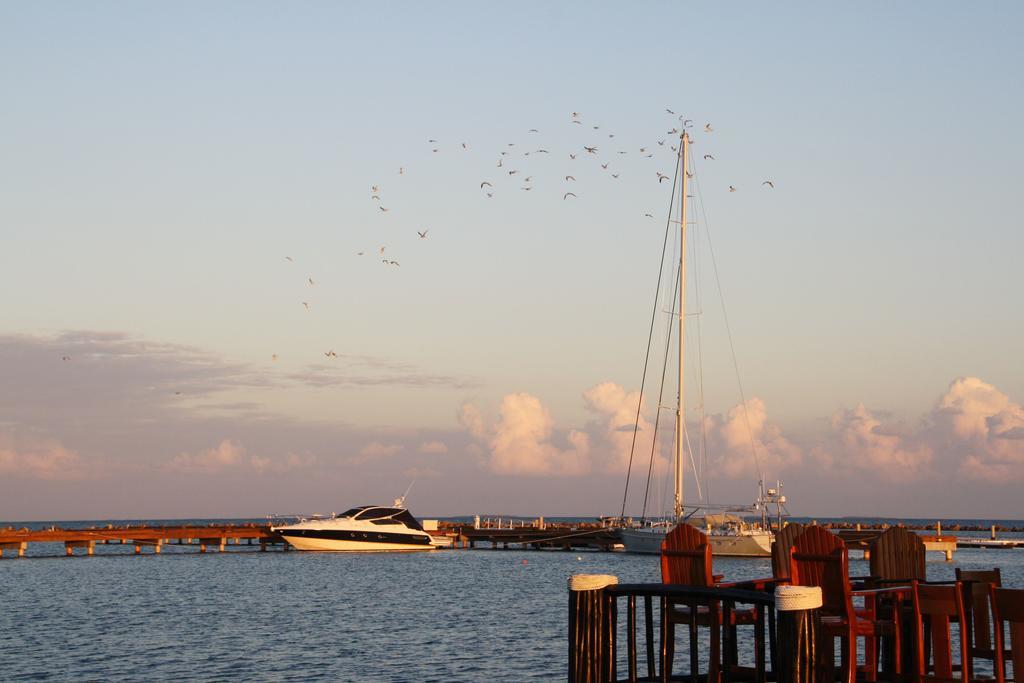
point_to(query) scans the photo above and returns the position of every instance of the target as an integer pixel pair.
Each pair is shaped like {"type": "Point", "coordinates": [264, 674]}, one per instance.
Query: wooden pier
{"type": "Point", "coordinates": [213, 536]}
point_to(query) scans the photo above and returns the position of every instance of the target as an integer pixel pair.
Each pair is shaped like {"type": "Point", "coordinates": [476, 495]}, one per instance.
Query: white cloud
{"type": "Point", "coordinates": [521, 441]}
{"type": "Point", "coordinates": [212, 460]}
{"type": "Point", "coordinates": [34, 458]}
{"type": "Point", "coordinates": [615, 412]}
{"type": "Point", "coordinates": [981, 428]}
{"type": "Point", "coordinates": [862, 442]}
{"type": "Point", "coordinates": [745, 430]}
{"type": "Point", "coordinates": [229, 455]}
{"type": "Point", "coordinates": [376, 449]}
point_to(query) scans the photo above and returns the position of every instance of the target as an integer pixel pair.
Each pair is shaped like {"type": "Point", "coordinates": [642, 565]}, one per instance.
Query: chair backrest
{"type": "Point", "coordinates": [936, 607]}
{"type": "Point", "coordinates": [819, 558]}
{"type": "Point", "coordinates": [780, 548]}
{"type": "Point", "coordinates": [1008, 608]}
{"type": "Point", "coordinates": [686, 557]}
{"type": "Point", "coordinates": [898, 554]}
{"type": "Point", "coordinates": [979, 584]}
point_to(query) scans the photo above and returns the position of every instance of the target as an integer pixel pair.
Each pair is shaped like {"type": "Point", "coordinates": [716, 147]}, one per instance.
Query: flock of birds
{"type": "Point", "coordinates": [513, 164]}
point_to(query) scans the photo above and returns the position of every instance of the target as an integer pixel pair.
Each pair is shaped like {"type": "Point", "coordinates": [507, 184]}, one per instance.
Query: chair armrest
{"type": "Point", "coordinates": [761, 584]}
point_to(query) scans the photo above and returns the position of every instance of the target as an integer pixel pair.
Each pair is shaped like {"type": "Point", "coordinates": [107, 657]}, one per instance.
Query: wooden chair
{"type": "Point", "coordinates": [819, 558]}
{"type": "Point", "coordinates": [978, 585]}
{"type": "Point", "coordinates": [686, 560]}
{"type": "Point", "coordinates": [780, 550]}
{"type": "Point", "coordinates": [897, 556]}
{"type": "Point", "coordinates": [1008, 610]}
{"type": "Point", "coordinates": [936, 607]}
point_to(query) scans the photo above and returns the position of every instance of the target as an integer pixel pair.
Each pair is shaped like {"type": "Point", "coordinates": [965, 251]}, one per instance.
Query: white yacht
{"type": "Point", "coordinates": [367, 528]}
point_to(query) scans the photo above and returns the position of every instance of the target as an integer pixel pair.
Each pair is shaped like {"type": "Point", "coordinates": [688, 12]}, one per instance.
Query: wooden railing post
{"type": "Point", "coordinates": [798, 626]}
{"type": "Point", "coordinates": [591, 629]}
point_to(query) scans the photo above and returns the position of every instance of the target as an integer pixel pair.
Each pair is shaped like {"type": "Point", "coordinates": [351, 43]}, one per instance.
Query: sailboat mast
{"type": "Point", "coordinates": [684, 156]}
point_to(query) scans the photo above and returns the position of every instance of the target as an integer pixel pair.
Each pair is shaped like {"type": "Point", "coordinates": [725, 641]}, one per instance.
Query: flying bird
{"type": "Point", "coordinates": [708, 128]}
{"type": "Point", "coordinates": [382, 208]}
{"type": "Point", "coordinates": [534, 130]}
{"type": "Point", "coordinates": [65, 357]}
{"type": "Point", "coordinates": [306, 304]}
{"type": "Point", "coordinates": [375, 196]}
{"type": "Point", "coordinates": [567, 195]}
{"type": "Point", "coordinates": [330, 354]}
{"type": "Point", "coordinates": [572, 156]}
{"type": "Point", "coordinates": [605, 166]}
{"type": "Point", "coordinates": [732, 189]}
{"type": "Point", "coordinates": [489, 195]}
{"type": "Point", "coordinates": [360, 253]}
{"type": "Point", "coordinates": [311, 281]}
{"type": "Point", "coordinates": [569, 177]}
{"type": "Point", "coordinates": [649, 215]}
{"type": "Point", "coordinates": [423, 235]}
{"type": "Point", "coordinates": [485, 183]}
{"type": "Point", "coordinates": [289, 258]}
{"type": "Point", "coordinates": [374, 189]}
{"type": "Point", "coordinates": [464, 146]}
{"type": "Point", "coordinates": [670, 112]}
{"type": "Point", "coordinates": [273, 356]}
{"type": "Point", "coordinates": [382, 249]}
{"type": "Point", "coordinates": [708, 156]}
{"type": "Point", "coordinates": [689, 175]}
{"type": "Point", "coordinates": [579, 122]}
{"type": "Point", "coordinates": [687, 123]}
{"type": "Point", "coordinates": [661, 176]}
{"type": "Point", "coordinates": [394, 263]}
{"type": "Point", "coordinates": [401, 170]}
{"type": "Point", "coordinates": [769, 184]}
{"type": "Point", "coordinates": [575, 114]}
{"type": "Point", "coordinates": [527, 188]}
{"type": "Point", "coordinates": [543, 151]}
{"type": "Point", "coordinates": [591, 150]}
{"type": "Point", "coordinates": [661, 143]}
{"type": "Point", "coordinates": [513, 172]}
{"type": "Point", "coordinates": [527, 178]}
{"type": "Point", "coordinates": [615, 175]}
{"type": "Point", "coordinates": [431, 140]}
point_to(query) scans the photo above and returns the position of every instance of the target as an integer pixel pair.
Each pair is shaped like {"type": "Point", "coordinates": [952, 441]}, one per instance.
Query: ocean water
{"type": "Point", "coordinates": [448, 615]}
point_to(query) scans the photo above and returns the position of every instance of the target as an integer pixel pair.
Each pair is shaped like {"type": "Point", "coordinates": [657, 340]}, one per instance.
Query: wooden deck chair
{"type": "Point", "coordinates": [1008, 611]}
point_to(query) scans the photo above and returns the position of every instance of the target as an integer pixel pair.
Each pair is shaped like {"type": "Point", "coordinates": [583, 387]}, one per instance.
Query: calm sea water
{"type": "Point", "coordinates": [450, 615]}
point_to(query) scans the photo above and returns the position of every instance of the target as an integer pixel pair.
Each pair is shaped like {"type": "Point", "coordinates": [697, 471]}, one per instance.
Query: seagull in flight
{"type": "Point", "coordinates": [485, 183]}
{"type": "Point", "coordinates": [769, 184]}
{"type": "Point", "coordinates": [393, 263]}
{"type": "Point", "coordinates": [591, 150]}
{"type": "Point", "coordinates": [65, 357]}
{"type": "Point", "coordinates": [708, 128]}
{"type": "Point", "coordinates": [311, 282]}
{"type": "Point", "coordinates": [382, 208]}
{"type": "Point", "coordinates": [670, 112]}
{"type": "Point", "coordinates": [330, 354]}
{"type": "Point", "coordinates": [289, 258]}
{"type": "Point", "coordinates": [306, 304]}
{"type": "Point", "coordinates": [708, 156]}
{"type": "Point", "coordinates": [732, 189]}
{"type": "Point", "coordinates": [689, 175]}
{"type": "Point", "coordinates": [273, 356]}
{"type": "Point", "coordinates": [374, 189]}
{"type": "Point", "coordinates": [567, 195]}
{"type": "Point", "coordinates": [649, 215]}
{"type": "Point", "coordinates": [604, 166]}
{"type": "Point", "coordinates": [423, 235]}
{"type": "Point", "coordinates": [687, 123]}
{"type": "Point", "coordinates": [534, 130]}
{"type": "Point", "coordinates": [661, 176]}
{"type": "Point", "coordinates": [382, 249]}
{"type": "Point", "coordinates": [569, 177]}
{"type": "Point", "coordinates": [572, 156]}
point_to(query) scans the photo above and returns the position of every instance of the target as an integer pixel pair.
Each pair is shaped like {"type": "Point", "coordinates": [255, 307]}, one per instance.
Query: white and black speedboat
{"type": "Point", "coordinates": [367, 528]}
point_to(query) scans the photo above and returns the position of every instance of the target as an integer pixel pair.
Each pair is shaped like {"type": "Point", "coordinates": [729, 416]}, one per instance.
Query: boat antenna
{"type": "Point", "coordinates": [400, 502]}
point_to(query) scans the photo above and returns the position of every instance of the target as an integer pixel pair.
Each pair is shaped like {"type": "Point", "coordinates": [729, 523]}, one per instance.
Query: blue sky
{"type": "Point", "coordinates": [158, 163]}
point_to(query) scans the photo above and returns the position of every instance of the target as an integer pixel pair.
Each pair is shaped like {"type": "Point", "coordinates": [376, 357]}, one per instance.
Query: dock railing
{"type": "Point", "coordinates": [594, 606]}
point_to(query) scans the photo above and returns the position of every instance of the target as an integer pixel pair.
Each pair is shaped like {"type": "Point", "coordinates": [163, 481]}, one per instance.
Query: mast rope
{"type": "Point", "coordinates": [728, 330]}
{"type": "Point", "coordinates": [647, 355]}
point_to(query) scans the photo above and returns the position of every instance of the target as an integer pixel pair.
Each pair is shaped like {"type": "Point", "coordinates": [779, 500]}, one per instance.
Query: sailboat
{"type": "Point", "coordinates": [730, 534]}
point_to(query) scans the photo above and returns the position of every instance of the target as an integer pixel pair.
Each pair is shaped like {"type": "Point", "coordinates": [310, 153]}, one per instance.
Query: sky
{"type": "Point", "coordinates": [199, 320]}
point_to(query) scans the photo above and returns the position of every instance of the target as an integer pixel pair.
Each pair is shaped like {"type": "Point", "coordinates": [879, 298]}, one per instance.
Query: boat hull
{"type": "Point", "coordinates": [648, 541]}
{"type": "Point", "coordinates": [355, 541]}
{"type": "Point", "coordinates": [743, 545]}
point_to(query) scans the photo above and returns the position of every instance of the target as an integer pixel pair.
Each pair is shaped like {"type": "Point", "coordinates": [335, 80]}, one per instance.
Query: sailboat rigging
{"type": "Point", "coordinates": [729, 534]}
